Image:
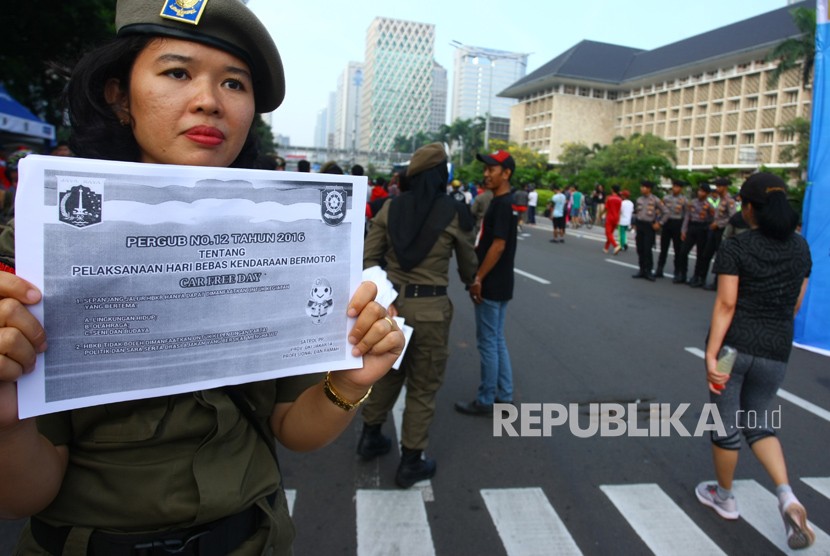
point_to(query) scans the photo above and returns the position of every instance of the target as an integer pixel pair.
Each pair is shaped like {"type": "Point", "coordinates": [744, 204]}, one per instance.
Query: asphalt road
{"type": "Point", "coordinates": [580, 331]}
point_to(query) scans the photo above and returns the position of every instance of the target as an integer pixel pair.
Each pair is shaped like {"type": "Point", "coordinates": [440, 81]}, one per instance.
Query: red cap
{"type": "Point", "coordinates": [498, 158]}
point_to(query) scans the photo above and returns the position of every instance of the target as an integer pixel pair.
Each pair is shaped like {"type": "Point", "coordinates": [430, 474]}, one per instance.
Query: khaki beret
{"type": "Point", "coordinates": [224, 24]}
{"type": "Point", "coordinates": [425, 158]}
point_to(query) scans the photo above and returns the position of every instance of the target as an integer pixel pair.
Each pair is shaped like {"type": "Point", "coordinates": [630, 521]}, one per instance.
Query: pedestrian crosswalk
{"type": "Point", "coordinates": [396, 522]}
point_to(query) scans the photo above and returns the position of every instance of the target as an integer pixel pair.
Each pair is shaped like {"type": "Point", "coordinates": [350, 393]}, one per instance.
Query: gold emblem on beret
{"type": "Point", "coordinates": [186, 11]}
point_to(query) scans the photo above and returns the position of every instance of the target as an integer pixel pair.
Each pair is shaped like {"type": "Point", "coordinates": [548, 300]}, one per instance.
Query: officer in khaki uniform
{"type": "Point", "coordinates": [724, 209]}
{"type": "Point", "coordinates": [671, 223]}
{"type": "Point", "coordinates": [416, 234]}
{"type": "Point", "coordinates": [694, 231]}
{"type": "Point", "coordinates": [647, 213]}
{"type": "Point", "coordinates": [193, 474]}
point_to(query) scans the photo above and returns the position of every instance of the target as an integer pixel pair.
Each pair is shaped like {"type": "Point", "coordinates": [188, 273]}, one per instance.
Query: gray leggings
{"type": "Point", "coordinates": [744, 404]}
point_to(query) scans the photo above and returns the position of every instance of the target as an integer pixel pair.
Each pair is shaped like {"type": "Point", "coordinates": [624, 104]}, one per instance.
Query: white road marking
{"type": "Point", "coordinates": [627, 265]}
{"type": "Point", "coordinates": [531, 276]}
{"type": "Point", "coordinates": [392, 522]}
{"type": "Point", "coordinates": [527, 523]}
{"type": "Point", "coordinates": [291, 497]}
{"type": "Point", "coordinates": [821, 484]}
{"type": "Point", "coordinates": [789, 396]}
{"type": "Point", "coordinates": [662, 525]}
{"type": "Point", "coordinates": [804, 404]}
{"type": "Point", "coordinates": [759, 508]}
{"type": "Point", "coordinates": [425, 487]}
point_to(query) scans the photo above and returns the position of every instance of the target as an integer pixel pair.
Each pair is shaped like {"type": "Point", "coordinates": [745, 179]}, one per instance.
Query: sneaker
{"type": "Point", "coordinates": [707, 493]}
{"type": "Point", "coordinates": [617, 249]}
{"type": "Point", "coordinates": [605, 250]}
{"type": "Point", "coordinates": [799, 532]}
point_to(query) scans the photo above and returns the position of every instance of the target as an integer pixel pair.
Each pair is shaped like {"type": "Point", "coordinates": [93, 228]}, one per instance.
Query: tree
{"type": "Point", "coordinates": [265, 135]}
{"type": "Point", "coordinates": [636, 158]}
{"type": "Point", "coordinates": [798, 51]}
{"type": "Point", "coordinates": [800, 128]}
{"type": "Point", "coordinates": [43, 39]}
{"type": "Point", "coordinates": [530, 165]}
{"type": "Point", "coordinates": [574, 158]}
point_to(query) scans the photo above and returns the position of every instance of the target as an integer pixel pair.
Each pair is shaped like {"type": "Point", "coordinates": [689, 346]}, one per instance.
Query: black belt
{"type": "Point", "coordinates": [216, 538]}
{"type": "Point", "coordinates": [420, 290]}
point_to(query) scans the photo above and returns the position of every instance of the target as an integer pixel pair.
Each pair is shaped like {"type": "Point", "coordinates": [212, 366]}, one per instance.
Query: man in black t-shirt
{"type": "Point", "coordinates": [493, 286]}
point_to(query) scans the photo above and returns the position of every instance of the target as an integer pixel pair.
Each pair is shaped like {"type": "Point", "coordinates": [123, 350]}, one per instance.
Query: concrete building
{"type": "Point", "coordinates": [397, 89]}
{"type": "Point", "coordinates": [478, 75]}
{"type": "Point", "coordinates": [709, 94]}
{"type": "Point", "coordinates": [347, 116]}
{"type": "Point", "coordinates": [438, 107]}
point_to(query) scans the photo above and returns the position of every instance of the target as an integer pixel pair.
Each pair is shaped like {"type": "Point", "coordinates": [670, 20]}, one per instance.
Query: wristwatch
{"type": "Point", "coordinates": [338, 400]}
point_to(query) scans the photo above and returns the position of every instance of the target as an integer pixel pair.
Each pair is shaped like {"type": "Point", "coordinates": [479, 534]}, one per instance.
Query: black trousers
{"type": "Point", "coordinates": [695, 237]}
{"type": "Point", "coordinates": [645, 243]}
{"type": "Point", "coordinates": [713, 240]}
{"type": "Point", "coordinates": [670, 234]}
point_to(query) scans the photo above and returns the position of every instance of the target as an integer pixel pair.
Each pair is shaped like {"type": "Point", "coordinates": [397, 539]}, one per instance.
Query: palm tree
{"type": "Point", "coordinates": [796, 51]}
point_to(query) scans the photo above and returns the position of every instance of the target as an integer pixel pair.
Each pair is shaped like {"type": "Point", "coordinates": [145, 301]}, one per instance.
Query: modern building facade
{"type": "Point", "coordinates": [397, 89]}
{"type": "Point", "coordinates": [347, 115]}
{"type": "Point", "coordinates": [438, 107]}
{"type": "Point", "coordinates": [711, 95]}
{"type": "Point", "coordinates": [479, 74]}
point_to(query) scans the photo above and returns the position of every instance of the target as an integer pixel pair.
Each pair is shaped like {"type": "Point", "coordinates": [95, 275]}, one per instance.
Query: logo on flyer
{"type": "Point", "coordinates": [333, 205]}
{"type": "Point", "coordinates": [80, 206]}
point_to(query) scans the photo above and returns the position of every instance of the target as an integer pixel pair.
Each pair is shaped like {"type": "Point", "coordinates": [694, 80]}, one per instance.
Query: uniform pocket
{"type": "Point", "coordinates": [124, 422]}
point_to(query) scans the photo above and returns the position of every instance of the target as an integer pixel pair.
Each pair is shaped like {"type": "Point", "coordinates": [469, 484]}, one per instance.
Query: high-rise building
{"type": "Point", "coordinates": [438, 116]}
{"type": "Point", "coordinates": [321, 128]}
{"type": "Point", "coordinates": [347, 115]}
{"type": "Point", "coordinates": [397, 89]}
{"type": "Point", "coordinates": [331, 116]}
{"type": "Point", "coordinates": [479, 74]}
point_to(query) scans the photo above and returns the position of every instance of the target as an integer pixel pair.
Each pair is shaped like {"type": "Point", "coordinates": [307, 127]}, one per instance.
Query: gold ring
{"type": "Point", "coordinates": [391, 323]}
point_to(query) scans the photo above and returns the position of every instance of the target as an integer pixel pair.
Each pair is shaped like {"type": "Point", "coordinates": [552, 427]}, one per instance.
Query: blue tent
{"type": "Point", "coordinates": [16, 119]}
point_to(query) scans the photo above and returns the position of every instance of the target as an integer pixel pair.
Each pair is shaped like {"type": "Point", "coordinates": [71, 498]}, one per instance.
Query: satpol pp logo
{"type": "Point", "coordinates": [333, 205]}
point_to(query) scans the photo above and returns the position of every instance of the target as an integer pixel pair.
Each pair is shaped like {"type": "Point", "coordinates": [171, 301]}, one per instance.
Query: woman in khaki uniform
{"type": "Point", "coordinates": [192, 473]}
{"type": "Point", "coordinates": [415, 236]}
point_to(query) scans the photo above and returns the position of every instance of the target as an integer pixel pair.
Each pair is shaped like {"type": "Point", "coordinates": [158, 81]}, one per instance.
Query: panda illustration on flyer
{"type": "Point", "coordinates": [319, 300]}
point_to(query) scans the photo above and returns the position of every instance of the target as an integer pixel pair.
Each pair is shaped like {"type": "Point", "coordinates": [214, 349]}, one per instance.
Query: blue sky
{"type": "Point", "coordinates": [317, 38]}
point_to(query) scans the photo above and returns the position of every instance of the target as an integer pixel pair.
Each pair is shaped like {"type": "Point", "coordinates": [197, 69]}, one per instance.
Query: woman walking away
{"type": "Point", "coordinates": [762, 276]}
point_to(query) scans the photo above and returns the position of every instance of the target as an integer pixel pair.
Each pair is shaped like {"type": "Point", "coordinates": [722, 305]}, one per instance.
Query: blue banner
{"type": "Point", "coordinates": [812, 325]}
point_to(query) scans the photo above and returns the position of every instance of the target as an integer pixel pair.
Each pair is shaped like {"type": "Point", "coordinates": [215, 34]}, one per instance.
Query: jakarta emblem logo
{"type": "Point", "coordinates": [333, 205]}
{"type": "Point", "coordinates": [186, 11]}
{"type": "Point", "coordinates": [80, 206]}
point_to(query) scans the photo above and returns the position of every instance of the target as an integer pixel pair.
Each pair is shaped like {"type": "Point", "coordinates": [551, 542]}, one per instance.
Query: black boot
{"type": "Point", "coordinates": [696, 282]}
{"type": "Point", "coordinates": [414, 467]}
{"type": "Point", "coordinates": [659, 273]}
{"type": "Point", "coordinates": [679, 278]}
{"type": "Point", "coordinates": [372, 443]}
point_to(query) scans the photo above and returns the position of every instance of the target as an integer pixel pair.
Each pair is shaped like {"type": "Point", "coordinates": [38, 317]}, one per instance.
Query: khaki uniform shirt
{"type": "Point", "coordinates": [699, 212]}
{"type": "Point", "coordinates": [725, 210]}
{"type": "Point", "coordinates": [675, 207]}
{"type": "Point", "coordinates": [434, 269]}
{"type": "Point", "coordinates": [169, 463]}
{"type": "Point", "coordinates": [649, 209]}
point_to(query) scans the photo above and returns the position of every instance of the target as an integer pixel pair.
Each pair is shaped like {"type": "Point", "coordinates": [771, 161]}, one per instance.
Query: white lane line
{"type": "Point", "coordinates": [789, 396]}
{"type": "Point", "coordinates": [627, 265]}
{"type": "Point", "coordinates": [424, 487]}
{"type": "Point", "coordinates": [291, 497]}
{"type": "Point", "coordinates": [804, 404]}
{"type": "Point", "coordinates": [759, 508]}
{"type": "Point", "coordinates": [662, 525]}
{"type": "Point", "coordinates": [531, 276]}
{"type": "Point", "coordinates": [634, 266]}
{"type": "Point", "coordinates": [697, 352]}
{"type": "Point", "coordinates": [821, 484]}
{"type": "Point", "coordinates": [392, 522]}
{"type": "Point", "coordinates": [527, 523]}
